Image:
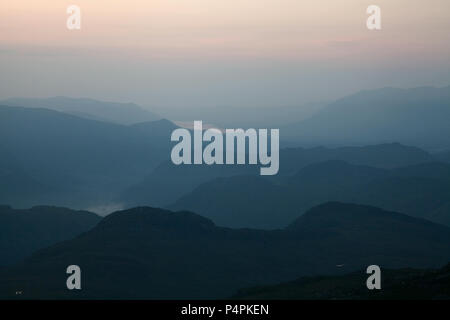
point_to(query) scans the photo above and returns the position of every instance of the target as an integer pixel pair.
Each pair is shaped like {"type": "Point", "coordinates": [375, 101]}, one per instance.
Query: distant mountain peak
{"type": "Point", "coordinates": [147, 217]}
{"type": "Point", "coordinates": [114, 112]}
{"type": "Point", "coordinates": [347, 215]}
{"type": "Point", "coordinates": [161, 124]}
{"type": "Point", "coordinates": [150, 253]}
{"type": "Point", "coordinates": [416, 116]}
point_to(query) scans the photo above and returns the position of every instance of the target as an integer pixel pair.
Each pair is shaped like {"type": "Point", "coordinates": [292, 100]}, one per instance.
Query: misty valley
{"type": "Point", "coordinates": [297, 215]}
{"type": "Point", "coordinates": [224, 159]}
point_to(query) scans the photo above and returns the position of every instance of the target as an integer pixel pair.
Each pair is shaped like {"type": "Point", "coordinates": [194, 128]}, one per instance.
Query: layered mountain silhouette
{"type": "Point", "coordinates": [330, 211]}
{"type": "Point", "coordinates": [168, 182]}
{"type": "Point", "coordinates": [421, 190]}
{"type": "Point", "coordinates": [22, 232]}
{"type": "Point", "coordinates": [86, 161]}
{"type": "Point", "coordinates": [68, 160]}
{"type": "Point", "coordinates": [153, 253]}
{"type": "Point", "coordinates": [401, 284]}
{"type": "Point", "coordinates": [418, 116]}
{"type": "Point", "coordinates": [15, 183]}
{"type": "Point", "coordinates": [120, 113]}
{"type": "Point", "coordinates": [243, 201]}
{"type": "Point", "coordinates": [387, 155]}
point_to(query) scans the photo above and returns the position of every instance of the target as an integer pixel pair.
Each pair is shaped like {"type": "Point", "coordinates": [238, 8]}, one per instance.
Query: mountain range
{"type": "Point", "coordinates": [421, 190]}
{"type": "Point", "coordinates": [419, 117]}
{"type": "Point", "coordinates": [168, 182]}
{"type": "Point", "coordinates": [370, 185]}
{"type": "Point", "coordinates": [65, 156]}
{"type": "Point", "coordinates": [22, 232]}
{"type": "Point", "coordinates": [78, 162]}
{"type": "Point", "coordinates": [400, 284]}
{"type": "Point", "coordinates": [156, 254]}
{"type": "Point", "coordinates": [113, 112]}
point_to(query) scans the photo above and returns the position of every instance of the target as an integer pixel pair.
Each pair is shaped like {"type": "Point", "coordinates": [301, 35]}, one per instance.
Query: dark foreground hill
{"type": "Point", "coordinates": [22, 232]}
{"type": "Point", "coordinates": [395, 284]}
{"type": "Point", "coordinates": [154, 253]}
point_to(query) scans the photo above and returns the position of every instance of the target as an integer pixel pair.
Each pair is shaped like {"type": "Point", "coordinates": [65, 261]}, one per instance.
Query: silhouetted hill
{"type": "Point", "coordinates": [387, 156]}
{"type": "Point", "coordinates": [417, 196]}
{"type": "Point", "coordinates": [421, 190]}
{"type": "Point", "coordinates": [120, 113]}
{"type": "Point", "coordinates": [15, 183]}
{"type": "Point", "coordinates": [333, 218]}
{"type": "Point", "coordinates": [242, 201]}
{"type": "Point", "coordinates": [85, 160]}
{"type": "Point", "coordinates": [400, 284]}
{"type": "Point", "coordinates": [335, 175]}
{"type": "Point", "coordinates": [22, 232]}
{"type": "Point", "coordinates": [168, 182]}
{"type": "Point", "coordinates": [153, 253]}
{"type": "Point", "coordinates": [418, 116]}
{"type": "Point", "coordinates": [433, 170]}
{"type": "Point", "coordinates": [156, 129]}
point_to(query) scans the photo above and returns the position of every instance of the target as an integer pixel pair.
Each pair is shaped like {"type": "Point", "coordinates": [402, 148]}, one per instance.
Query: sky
{"type": "Point", "coordinates": [173, 54]}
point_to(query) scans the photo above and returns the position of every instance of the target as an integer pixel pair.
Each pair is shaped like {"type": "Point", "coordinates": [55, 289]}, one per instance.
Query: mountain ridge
{"type": "Point", "coordinates": [105, 111]}
{"type": "Point", "coordinates": [155, 257]}
{"type": "Point", "coordinates": [23, 231]}
{"type": "Point", "coordinates": [77, 156]}
{"type": "Point", "coordinates": [420, 190]}
{"type": "Point", "coordinates": [417, 116]}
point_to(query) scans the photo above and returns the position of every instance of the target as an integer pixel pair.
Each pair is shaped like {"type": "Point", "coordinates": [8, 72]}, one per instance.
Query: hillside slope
{"type": "Point", "coordinates": [22, 232]}
{"type": "Point", "coordinates": [156, 254]}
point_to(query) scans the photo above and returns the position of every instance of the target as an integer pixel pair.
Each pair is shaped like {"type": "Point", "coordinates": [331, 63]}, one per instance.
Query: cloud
{"type": "Point", "coordinates": [105, 209]}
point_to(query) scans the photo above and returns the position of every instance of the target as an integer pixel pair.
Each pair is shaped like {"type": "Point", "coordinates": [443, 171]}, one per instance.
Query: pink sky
{"type": "Point", "coordinates": [205, 33]}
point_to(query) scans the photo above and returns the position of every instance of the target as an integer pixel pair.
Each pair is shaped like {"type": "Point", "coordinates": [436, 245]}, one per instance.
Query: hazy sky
{"type": "Point", "coordinates": [181, 53]}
